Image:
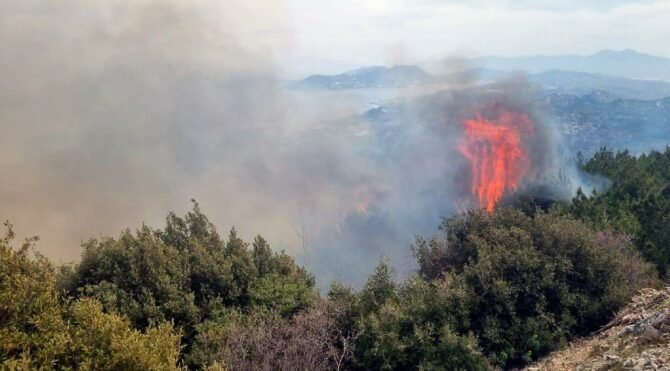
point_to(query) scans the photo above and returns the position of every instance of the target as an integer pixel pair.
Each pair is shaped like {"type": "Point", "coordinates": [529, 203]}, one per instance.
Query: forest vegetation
{"type": "Point", "coordinates": [492, 290]}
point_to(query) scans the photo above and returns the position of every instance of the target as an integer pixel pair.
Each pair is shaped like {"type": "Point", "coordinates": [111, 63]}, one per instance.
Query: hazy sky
{"type": "Point", "coordinates": [391, 31]}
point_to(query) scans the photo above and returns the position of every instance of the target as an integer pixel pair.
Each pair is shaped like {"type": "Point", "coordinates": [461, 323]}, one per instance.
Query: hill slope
{"type": "Point", "coordinates": [598, 119]}
{"type": "Point", "coordinates": [638, 338]}
{"type": "Point", "coordinates": [587, 122]}
{"type": "Point", "coordinates": [571, 82]}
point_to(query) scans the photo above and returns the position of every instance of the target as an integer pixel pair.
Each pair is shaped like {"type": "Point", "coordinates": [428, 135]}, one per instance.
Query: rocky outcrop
{"type": "Point", "coordinates": [638, 338]}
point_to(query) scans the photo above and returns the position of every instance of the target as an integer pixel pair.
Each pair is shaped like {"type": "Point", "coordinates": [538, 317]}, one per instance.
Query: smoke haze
{"type": "Point", "coordinates": [115, 113]}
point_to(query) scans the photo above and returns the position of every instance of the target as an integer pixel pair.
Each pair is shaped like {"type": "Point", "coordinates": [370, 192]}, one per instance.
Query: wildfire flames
{"type": "Point", "coordinates": [493, 144]}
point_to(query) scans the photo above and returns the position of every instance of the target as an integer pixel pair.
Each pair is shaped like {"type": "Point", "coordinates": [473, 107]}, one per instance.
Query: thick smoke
{"type": "Point", "coordinates": [114, 113]}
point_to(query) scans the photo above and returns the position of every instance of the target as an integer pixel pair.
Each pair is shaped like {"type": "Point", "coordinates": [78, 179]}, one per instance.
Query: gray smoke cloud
{"type": "Point", "coordinates": [114, 113]}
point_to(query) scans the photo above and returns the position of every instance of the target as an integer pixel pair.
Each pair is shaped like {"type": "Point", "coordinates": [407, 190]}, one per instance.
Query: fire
{"type": "Point", "coordinates": [494, 148]}
{"type": "Point", "coordinates": [363, 206]}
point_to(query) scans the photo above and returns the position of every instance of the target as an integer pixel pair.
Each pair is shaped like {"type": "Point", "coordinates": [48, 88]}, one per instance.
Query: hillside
{"type": "Point", "coordinates": [598, 118]}
{"type": "Point", "coordinates": [638, 338]}
{"type": "Point", "coordinates": [586, 121]}
{"type": "Point", "coordinates": [572, 82]}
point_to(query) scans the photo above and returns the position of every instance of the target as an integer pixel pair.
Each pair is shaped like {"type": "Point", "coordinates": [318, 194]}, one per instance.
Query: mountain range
{"type": "Point", "coordinates": [627, 74]}
{"type": "Point", "coordinates": [625, 63]}
{"type": "Point", "coordinates": [367, 77]}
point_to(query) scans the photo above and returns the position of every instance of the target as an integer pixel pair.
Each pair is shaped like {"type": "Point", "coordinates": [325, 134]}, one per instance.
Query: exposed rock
{"type": "Point", "coordinates": [611, 359]}
{"type": "Point", "coordinates": [638, 338]}
{"type": "Point", "coordinates": [650, 333]}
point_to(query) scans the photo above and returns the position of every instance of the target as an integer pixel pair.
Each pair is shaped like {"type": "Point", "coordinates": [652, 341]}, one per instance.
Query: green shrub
{"type": "Point", "coordinates": [186, 273]}
{"type": "Point", "coordinates": [408, 326]}
{"type": "Point", "coordinates": [525, 285]}
{"type": "Point", "coordinates": [41, 330]}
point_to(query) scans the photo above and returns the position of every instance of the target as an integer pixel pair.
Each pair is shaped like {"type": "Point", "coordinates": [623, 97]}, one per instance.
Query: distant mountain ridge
{"type": "Point", "coordinates": [560, 81]}
{"type": "Point", "coordinates": [367, 77]}
{"type": "Point", "coordinates": [625, 63]}
{"type": "Point", "coordinates": [626, 73]}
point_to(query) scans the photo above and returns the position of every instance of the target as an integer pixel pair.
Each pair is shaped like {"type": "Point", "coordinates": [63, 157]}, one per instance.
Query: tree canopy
{"type": "Point", "coordinates": [637, 202]}
{"type": "Point", "coordinates": [41, 329]}
{"type": "Point", "coordinates": [187, 274]}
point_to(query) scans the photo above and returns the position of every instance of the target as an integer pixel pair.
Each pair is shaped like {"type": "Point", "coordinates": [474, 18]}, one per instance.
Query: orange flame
{"type": "Point", "coordinates": [363, 206]}
{"type": "Point", "coordinates": [497, 157]}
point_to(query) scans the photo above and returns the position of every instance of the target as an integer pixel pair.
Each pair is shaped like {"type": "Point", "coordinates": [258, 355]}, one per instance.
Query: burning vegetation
{"type": "Point", "coordinates": [493, 144]}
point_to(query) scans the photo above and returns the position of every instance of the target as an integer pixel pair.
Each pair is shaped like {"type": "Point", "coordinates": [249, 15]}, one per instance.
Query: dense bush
{"type": "Point", "coordinates": [406, 326]}
{"type": "Point", "coordinates": [637, 202]}
{"type": "Point", "coordinates": [41, 330]}
{"type": "Point", "coordinates": [187, 274]}
{"type": "Point", "coordinates": [505, 285]}
{"type": "Point", "coordinates": [531, 283]}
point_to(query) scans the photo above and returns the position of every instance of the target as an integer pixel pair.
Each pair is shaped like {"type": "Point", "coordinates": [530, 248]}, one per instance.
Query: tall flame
{"type": "Point", "coordinates": [494, 148]}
